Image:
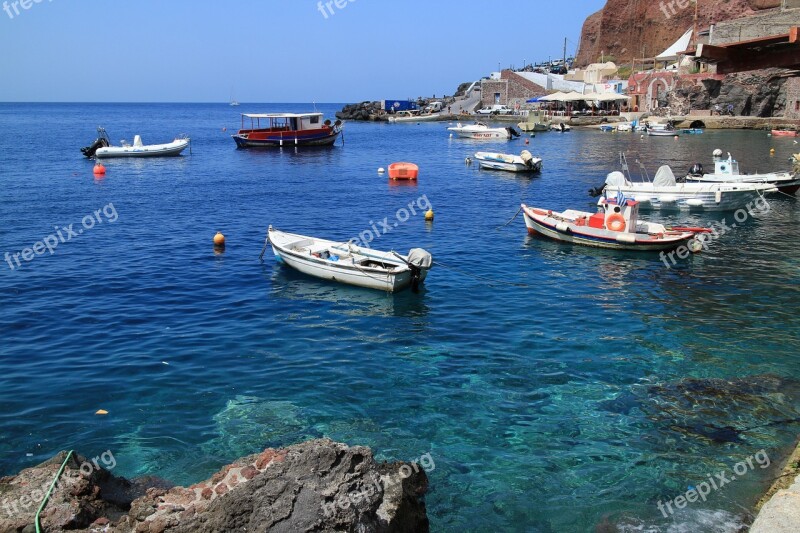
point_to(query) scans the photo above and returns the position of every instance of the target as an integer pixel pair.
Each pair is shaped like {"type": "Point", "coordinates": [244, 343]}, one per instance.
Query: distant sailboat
{"type": "Point", "coordinates": [234, 102]}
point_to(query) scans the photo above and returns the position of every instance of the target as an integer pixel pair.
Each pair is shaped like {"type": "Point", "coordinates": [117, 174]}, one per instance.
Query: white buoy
{"type": "Point", "coordinates": [717, 153]}
{"type": "Point", "coordinates": [451, 135]}
{"type": "Point", "coordinates": [381, 170]}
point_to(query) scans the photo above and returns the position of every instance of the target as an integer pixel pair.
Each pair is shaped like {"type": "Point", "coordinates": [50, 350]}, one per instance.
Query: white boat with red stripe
{"type": "Point", "coordinates": [615, 226]}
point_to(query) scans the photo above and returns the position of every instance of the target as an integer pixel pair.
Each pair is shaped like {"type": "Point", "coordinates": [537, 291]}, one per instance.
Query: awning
{"type": "Point", "coordinates": [671, 53]}
{"type": "Point", "coordinates": [555, 97]}
{"type": "Point", "coordinates": [613, 97]}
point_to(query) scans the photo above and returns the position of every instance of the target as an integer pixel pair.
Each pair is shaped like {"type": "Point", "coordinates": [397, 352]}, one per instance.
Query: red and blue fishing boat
{"type": "Point", "coordinates": [287, 129]}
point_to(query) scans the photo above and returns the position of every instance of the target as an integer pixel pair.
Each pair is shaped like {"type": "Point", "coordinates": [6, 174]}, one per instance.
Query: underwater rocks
{"type": "Point", "coordinates": [318, 485]}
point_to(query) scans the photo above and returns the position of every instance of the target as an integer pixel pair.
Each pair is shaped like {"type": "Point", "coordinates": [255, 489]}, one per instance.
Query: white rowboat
{"type": "Point", "coordinates": [524, 162]}
{"type": "Point", "coordinates": [350, 264]}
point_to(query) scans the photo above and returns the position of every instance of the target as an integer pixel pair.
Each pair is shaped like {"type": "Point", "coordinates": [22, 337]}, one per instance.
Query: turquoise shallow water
{"type": "Point", "coordinates": [577, 389]}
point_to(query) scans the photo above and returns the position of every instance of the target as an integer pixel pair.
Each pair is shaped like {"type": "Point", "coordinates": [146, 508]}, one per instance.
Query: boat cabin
{"type": "Point", "coordinates": [729, 167]}
{"type": "Point", "coordinates": [284, 122]}
{"type": "Point", "coordinates": [616, 214]}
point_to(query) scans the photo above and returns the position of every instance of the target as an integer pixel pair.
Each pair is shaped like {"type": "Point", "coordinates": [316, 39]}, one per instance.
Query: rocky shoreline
{"type": "Point", "coordinates": [318, 485]}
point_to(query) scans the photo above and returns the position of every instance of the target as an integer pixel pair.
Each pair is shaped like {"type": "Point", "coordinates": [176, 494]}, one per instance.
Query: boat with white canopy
{"type": "Point", "coordinates": [727, 171]}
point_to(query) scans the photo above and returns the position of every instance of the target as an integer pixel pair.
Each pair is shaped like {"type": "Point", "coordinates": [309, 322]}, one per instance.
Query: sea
{"type": "Point", "coordinates": [547, 387]}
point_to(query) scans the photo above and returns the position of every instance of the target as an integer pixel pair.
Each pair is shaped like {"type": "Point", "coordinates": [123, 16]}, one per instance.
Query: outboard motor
{"type": "Point", "coordinates": [595, 192]}
{"type": "Point", "coordinates": [527, 158]}
{"type": "Point", "coordinates": [696, 170]}
{"type": "Point", "coordinates": [418, 260]}
{"type": "Point", "coordinates": [512, 132]}
{"type": "Point", "coordinates": [90, 150]}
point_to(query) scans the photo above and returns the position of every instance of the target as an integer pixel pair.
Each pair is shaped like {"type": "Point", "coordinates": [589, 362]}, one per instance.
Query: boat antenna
{"type": "Point", "coordinates": [644, 170]}
{"type": "Point", "coordinates": [315, 106]}
{"type": "Point", "coordinates": [623, 161]}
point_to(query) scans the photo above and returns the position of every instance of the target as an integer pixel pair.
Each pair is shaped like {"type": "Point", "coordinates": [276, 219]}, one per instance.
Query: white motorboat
{"type": "Point", "coordinates": [615, 225]}
{"type": "Point", "coordinates": [662, 130]}
{"type": "Point", "coordinates": [409, 116]}
{"type": "Point", "coordinates": [479, 130]}
{"type": "Point", "coordinates": [665, 193]}
{"type": "Point", "coordinates": [727, 171]}
{"type": "Point", "coordinates": [347, 263]}
{"type": "Point", "coordinates": [102, 148]}
{"type": "Point", "coordinates": [625, 127]}
{"type": "Point", "coordinates": [560, 127]}
{"type": "Point", "coordinates": [524, 162]}
{"type": "Point", "coordinates": [537, 121]}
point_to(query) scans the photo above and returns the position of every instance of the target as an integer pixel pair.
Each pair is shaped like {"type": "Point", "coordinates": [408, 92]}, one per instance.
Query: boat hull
{"type": "Point", "coordinates": [273, 139]}
{"type": "Point", "coordinates": [663, 133]}
{"type": "Point", "coordinates": [153, 150]}
{"type": "Point", "coordinates": [784, 133]}
{"type": "Point", "coordinates": [784, 182]}
{"type": "Point", "coordinates": [708, 198]}
{"type": "Point", "coordinates": [542, 223]}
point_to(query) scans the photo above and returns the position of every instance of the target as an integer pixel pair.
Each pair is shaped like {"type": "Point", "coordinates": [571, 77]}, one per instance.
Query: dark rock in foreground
{"type": "Point", "coordinates": [319, 485]}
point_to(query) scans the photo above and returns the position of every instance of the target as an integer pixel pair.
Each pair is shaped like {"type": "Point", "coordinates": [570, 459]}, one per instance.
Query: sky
{"type": "Point", "coordinates": [271, 50]}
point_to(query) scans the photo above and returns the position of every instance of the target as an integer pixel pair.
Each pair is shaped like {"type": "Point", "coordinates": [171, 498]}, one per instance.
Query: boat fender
{"type": "Point", "coordinates": [626, 237]}
{"type": "Point", "coordinates": [616, 222]}
{"type": "Point", "coordinates": [563, 227]}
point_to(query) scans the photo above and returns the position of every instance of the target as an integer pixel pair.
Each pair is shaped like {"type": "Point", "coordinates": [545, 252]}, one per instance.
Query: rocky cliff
{"type": "Point", "coordinates": [319, 486]}
{"type": "Point", "coordinates": [625, 29]}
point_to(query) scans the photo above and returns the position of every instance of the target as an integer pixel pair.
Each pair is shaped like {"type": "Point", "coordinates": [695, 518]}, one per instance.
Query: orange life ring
{"type": "Point", "coordinates": [616, 222]}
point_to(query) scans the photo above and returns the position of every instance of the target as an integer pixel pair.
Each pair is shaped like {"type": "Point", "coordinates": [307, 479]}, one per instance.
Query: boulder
{"type": "Point", "coordinates": [318, 485]}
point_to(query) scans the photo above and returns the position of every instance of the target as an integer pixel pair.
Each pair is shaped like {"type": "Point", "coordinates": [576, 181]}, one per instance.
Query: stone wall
{"type": "Point", "coordinates": [514, 90]}
{"type": "Point", "coordinates": [792, 87]}
{"type": "Point", "coordinates": [490, 88]}
{"type": "Point", "coordinates": [775, 22]}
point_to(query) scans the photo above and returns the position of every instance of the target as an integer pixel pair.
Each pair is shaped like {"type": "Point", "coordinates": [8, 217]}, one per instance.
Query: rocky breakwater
{"type": "Point", "coordinates": [363, 111]}
{"type": "Point", "coordinates": [318, 485]}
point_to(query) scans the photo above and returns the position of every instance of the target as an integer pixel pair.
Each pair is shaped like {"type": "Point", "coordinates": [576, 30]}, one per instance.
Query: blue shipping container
{"type": "Point", "coordinates": [399, 105]}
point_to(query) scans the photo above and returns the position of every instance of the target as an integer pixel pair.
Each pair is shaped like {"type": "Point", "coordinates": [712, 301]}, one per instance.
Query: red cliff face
{"type": "Point", "coordinates": [625, 29]}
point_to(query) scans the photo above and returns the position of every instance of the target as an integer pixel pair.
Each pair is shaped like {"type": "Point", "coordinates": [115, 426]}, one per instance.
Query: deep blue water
{"type": "Point", "coordinates": [556, 388]}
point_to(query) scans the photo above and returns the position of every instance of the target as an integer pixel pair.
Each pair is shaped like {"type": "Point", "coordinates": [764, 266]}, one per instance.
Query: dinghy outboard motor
{"type": "Point", "coordinates": [696, 170]}
{"type": "Point", "coordinates": [418, 260]}
{"type": "Point", "coordinates": [90, 150]}
{"type": "Point", "coordinates": [512, 132]}
{"type": "Point", "coordinates": [527, 158]}
{"type": "Point", "coordinates": [101, 142]}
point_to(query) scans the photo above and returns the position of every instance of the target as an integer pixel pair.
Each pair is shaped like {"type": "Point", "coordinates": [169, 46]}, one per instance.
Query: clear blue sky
{"type": "Point", "coordinates": [270, 50]}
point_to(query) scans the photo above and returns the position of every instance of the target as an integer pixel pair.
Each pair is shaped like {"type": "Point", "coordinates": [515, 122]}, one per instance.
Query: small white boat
{"type": "Point", "coordinates": [614, 226]}
{"type": "Point", "coordinates": [662, 130]}
{"type": "Point", "coordinates": [410, 116]}
{"type": "Point", "coordinates": [625, 127]}
{"type": "Point", "coordinates": [347, 263]}
{"type": "Point", "coordinates": [479, 130]}
{"type": "Point", "coordinates": [727, 171]}
{"type": "Point", "coordinates": [524, 162]}
{"type": "Point", "coordinates": [560, 127]}
{"type": "Point", "coordinates": [102, 148]}
{"type": "Point", "coordinates": [665, 193]}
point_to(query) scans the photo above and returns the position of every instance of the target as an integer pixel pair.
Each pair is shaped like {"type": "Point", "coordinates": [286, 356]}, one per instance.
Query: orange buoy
{"type": "Point", "coordinates": [219, 239]}
{"type": "Point", "coordinates": [99, 170]}
{"type": "Point", "coordinates": [527, 141]}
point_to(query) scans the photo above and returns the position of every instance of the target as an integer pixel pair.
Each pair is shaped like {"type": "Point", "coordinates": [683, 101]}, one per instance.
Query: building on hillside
{"type": "Point", "coordinates": [509, 88]}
